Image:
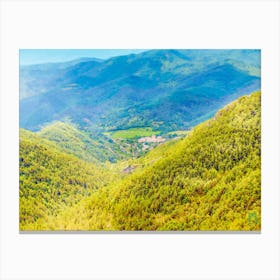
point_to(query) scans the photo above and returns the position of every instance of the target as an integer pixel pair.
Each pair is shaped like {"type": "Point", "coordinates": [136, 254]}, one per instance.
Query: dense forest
{"type": "Point", "coordinates": [209, 178]}
{"type": "Point", "coordinates": [50, 179]}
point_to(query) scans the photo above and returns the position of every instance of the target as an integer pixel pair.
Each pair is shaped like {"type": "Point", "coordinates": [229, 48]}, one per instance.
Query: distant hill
{"type": "Point", "coordinates": [166, 90]}
{"type": "Point", "coordinates": [82, 144]}
{"type": "Point", "coordinates": [210, 180]}
{"type": "Point", "coordinates": [36, 79]}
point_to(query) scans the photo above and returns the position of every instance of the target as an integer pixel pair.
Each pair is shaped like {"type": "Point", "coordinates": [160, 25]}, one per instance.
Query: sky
{"type": "Point", "coordinates": [37, 56]}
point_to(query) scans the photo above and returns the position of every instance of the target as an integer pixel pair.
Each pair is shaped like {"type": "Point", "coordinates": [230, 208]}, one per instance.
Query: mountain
{"type": "Point", "coordinates": [165, 90]}
{"type": "Point", "coordinates": [209, 180]}
{"type": "Point", "coordinates": [36, 79]}
{"type": "Point", "coordinates": [50, 179]}
{"type": "Point", "coordinates": [81, 144]}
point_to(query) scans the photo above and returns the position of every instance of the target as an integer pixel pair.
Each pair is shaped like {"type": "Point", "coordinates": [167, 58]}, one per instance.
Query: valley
{"type": "Point", "coordinates": [163, 140]}
{"type": "Point", "coordinates": [199, 182]}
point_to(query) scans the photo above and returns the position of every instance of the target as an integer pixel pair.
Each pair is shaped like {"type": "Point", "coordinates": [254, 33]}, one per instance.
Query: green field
{"type": "Point", "coordinates": [178, 132]}
{"type": "Point", "coordinates": [133, 132]}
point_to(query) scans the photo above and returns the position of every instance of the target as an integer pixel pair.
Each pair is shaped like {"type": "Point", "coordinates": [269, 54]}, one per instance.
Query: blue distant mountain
{"type": "Point", "coordinates": [163, 89]}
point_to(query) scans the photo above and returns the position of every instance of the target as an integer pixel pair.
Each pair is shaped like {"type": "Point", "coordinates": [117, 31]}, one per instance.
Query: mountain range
{"type": "Point", "coordinates": [159, 140]}
{"type": "Point", "coordinates": [166, 90]}
{"type": "Point", "coordinates": [207, 180]}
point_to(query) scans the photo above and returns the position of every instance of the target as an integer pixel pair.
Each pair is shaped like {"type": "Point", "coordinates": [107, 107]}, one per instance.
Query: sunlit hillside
{"type": "Point", "coordinates": [209, 180]}
{"type": "Point", "coordinates": [50, 180]}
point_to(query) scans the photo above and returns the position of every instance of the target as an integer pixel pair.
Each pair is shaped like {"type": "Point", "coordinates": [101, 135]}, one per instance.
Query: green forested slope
{"type": "Point", "coordinates": [91, 148]}
{"type": "Point", "coordinates": [50, 180]}
{"type": "Point", "coordinates": [208, 181]}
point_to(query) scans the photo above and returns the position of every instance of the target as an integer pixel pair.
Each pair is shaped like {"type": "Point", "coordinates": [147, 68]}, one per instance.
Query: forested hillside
{"type": "Point", "coordinates": [50, 180]}
{"type": "Point", "coordinates": [82, 144]}
{"type": "Point", "coordinates": [209, 180]}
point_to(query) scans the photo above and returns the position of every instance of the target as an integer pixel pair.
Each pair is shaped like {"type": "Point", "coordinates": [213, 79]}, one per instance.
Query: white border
{"type": "Point", "coordinates": [135, 24]}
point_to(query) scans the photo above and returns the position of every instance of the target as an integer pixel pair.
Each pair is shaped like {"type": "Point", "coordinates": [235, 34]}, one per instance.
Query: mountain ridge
{"type": "Point", "coordinates": [127, 89]}
{"type": "Point", "coordinates": [209, 180]}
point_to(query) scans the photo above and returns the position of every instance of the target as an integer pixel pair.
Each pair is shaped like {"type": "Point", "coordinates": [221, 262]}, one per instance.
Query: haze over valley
{"type": "Point", "coordinates": [157, 140]}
